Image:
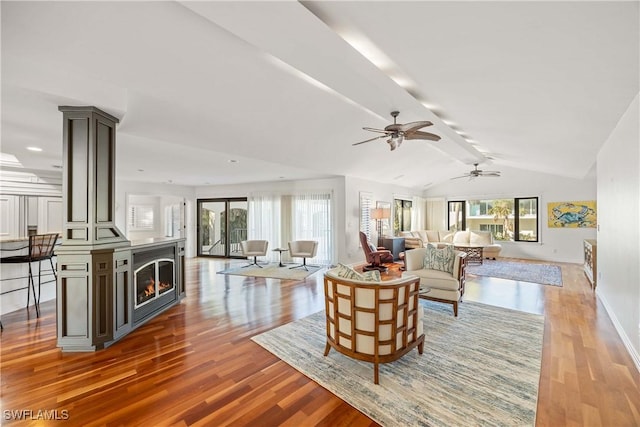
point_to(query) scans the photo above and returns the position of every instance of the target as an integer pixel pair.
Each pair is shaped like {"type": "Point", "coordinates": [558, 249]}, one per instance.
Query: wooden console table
{"type": "Point", "coordinates": [590, 261]}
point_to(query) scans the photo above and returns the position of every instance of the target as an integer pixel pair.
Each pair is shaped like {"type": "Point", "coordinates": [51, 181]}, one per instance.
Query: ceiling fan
{"type": "Point", "coordinates": [398, 132]}
{"type": "Point", "coordinates": [477, 172]}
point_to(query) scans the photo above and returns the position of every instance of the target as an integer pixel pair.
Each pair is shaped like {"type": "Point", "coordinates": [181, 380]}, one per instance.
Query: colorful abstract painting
{"type": "Point", "coordinates": [572, 214]}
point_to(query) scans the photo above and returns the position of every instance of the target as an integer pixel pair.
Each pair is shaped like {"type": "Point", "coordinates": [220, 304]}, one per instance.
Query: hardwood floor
{"type": "Point", "coordinates": [196, 365]}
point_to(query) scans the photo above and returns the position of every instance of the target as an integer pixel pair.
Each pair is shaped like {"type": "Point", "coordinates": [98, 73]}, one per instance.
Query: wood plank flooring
{"type": "Point", "coordinates": [195, 364]}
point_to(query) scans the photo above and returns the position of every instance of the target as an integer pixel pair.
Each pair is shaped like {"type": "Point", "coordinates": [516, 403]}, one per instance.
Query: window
{"type": "Point", "coordinates": [527, 220]}
{"type": "Point", "coordinates": [507, 219]}
{"type": "Point", "coordinates": [402, 216]}
{"type": "Point", "coordinates": [366, 203]}
{"type": "Point", "coordinates": [140, 217]}
{"type": "Point", "coordinates": [457, 216]}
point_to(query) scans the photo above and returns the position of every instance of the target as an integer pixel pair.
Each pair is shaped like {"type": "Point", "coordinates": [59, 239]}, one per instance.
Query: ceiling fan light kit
{"type": "Point", "coordinates": [398, 132]}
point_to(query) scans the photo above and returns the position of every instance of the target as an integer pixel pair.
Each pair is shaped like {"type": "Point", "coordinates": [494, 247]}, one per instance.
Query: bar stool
{"type": "Point", "coordinates": [41, 248]}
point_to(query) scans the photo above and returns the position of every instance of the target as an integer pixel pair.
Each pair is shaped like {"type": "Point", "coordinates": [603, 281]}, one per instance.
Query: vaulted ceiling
{"type": "Point", "coordinates": [237, 92]}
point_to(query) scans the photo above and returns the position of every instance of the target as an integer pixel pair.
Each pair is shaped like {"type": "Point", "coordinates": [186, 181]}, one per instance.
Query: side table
{"type": "Point", "coordinates": [280, 250]}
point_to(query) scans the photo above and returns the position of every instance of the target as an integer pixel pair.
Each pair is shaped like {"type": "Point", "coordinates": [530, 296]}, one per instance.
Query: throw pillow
{"type": "Point", "coordinates": [371, 276]}
{"type": "Point", "coordinates": [439, 259]}
{"type": "Point", "coordinates": [348, 272]}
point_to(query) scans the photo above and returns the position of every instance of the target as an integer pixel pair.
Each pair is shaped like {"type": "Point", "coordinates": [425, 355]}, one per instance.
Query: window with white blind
{"type": "Point", "coordinates": [140, 218]}
{"type": "Point", "coordinates": [366, 204]}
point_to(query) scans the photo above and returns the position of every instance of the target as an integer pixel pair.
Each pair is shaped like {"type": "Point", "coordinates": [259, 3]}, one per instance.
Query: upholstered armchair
{"type": "Point", "coordinates": [445, 286]}
{"type": "Point", "coordinates": [373, 321]}
{"type": "Point", "coordinates": [303, 249]}
{"type": "Point", "coordinates": [375, 256]}
{"type": "Point", "coordinates": [254, 248]}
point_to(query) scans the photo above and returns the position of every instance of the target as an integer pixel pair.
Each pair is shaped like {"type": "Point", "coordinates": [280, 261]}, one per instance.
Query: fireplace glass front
{"type": "Point", "coordinates": [152, 280]}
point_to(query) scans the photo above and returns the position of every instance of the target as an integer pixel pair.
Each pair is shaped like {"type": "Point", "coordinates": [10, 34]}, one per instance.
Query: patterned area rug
{"type": "Point", "coordinates": [545, 274]}
{"type": "Point", "coordinates": [272, 271]}
{"type": "Point", "coordinates": [481, 368]}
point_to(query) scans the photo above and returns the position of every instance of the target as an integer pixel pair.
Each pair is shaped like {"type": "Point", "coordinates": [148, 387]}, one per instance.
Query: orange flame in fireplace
{"type": "Point", "coordinates": [151, 288]}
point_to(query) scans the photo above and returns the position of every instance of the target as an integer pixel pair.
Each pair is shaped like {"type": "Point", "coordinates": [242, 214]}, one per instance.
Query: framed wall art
{"type": "Point", "coordinates": [580, 214]}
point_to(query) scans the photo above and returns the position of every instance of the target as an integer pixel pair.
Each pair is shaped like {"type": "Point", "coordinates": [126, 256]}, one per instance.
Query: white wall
{"type": "Point", "coordinates": [555, 244]}
{"type": "Point", "coordinates": [125, 188]}
{"type": "Point", "coordinates": [618, 285]}
{"type": "Point", "coordinates": [350, 239]}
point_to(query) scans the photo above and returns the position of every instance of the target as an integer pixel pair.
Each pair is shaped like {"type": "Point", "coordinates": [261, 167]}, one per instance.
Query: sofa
{"type": "Point", "coordinates": [372, 320]}
{"type": "Point", "coordinates": [445, 286]}
{"type": "Point", "coordinates": [420, 238]}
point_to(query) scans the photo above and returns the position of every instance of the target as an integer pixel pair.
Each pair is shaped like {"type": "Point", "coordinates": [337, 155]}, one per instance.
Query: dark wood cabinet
{"type": "Point", "coordinates": [395, 245]}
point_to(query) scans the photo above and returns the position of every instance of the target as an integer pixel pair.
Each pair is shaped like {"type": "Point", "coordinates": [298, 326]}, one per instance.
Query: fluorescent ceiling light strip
{"type": "Point", "coordinates": [307, 78]}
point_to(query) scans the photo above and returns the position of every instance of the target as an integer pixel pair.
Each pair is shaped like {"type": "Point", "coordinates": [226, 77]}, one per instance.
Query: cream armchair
{"type": "Point", "coordinates": [374, 321]}
{"type": "Point", "coordinates": [303, 249]}
{"type": "Point", "coordinates": [445, 287]}
{"type": "Point", "coordinates": [254, 248]}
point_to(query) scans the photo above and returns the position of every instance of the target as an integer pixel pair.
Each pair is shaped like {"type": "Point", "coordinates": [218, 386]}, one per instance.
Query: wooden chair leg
{"type": "Point", "coordinates": [327, 348]}
{"type": "Point", "coordinates": [455, 308]}
{"type": "Point", "coordinates": [375, 372]}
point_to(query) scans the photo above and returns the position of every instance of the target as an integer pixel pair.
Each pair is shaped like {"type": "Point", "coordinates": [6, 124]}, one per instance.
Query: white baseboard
{"type": "Point", "coordinates": [625, 339]}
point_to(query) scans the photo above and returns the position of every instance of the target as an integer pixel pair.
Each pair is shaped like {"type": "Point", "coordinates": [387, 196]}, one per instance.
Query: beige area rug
{"type": "Point", "coordinates": [480, 369]}
{"type": "Point", "coordinates": [272, 271]}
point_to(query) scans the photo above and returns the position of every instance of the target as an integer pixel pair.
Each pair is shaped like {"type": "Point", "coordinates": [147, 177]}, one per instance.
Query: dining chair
{"type": "Point", "coordinates": [41, 248]}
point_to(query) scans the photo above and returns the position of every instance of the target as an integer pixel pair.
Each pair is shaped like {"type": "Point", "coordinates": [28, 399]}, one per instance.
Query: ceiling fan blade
{"type": "Point", "coordinates": [421, 135]}
{"type": "Point", "coordinates": [413, 126]}
{"type": "Point", "coordinates": [369, 140]}
{"type": "Point", "coordinates": [490, 174]}
{"type": "Point", "coordinates": [462, 176]}
{"type": "Point", "coordinates": [386, 132]}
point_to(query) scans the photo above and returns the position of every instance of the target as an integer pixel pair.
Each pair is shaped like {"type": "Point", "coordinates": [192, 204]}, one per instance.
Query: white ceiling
{"type": "Point", "coordinates": [280, 88]}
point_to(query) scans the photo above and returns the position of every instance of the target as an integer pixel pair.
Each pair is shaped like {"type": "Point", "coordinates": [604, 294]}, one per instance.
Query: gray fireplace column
{"type": "Point", "coordinates": [93, 259]}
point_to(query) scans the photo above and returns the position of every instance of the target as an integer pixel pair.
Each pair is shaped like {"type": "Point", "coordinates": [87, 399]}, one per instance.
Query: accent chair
{"type": "Point", "coordinates": [373, 321]}
{"type": "Point", "coordinates": [375, 255]}
{"type": "Point", "coordinates": [303, 249]}
{"type": "Point", "coordinates": [254, 248]}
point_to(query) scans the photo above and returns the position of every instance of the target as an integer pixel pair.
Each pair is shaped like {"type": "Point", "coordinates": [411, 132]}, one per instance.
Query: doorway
{"type": "Point", "coordinates": [222, 225]}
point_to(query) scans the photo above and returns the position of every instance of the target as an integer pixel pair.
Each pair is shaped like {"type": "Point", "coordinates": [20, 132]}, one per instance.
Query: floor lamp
{"type": "Point", "coordinates": [380, 214]}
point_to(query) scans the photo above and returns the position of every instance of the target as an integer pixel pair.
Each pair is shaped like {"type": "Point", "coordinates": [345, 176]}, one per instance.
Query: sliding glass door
{"type": "Point", "coordinates": [222, 225]}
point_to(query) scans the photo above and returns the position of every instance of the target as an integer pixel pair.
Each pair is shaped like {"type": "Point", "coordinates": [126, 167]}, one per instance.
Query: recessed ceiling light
{"type": "Point", "coordinates": [140, 170]}
{"type": "Point", "coordinates": [34, 148]}
{"type": "Point", "coordinates": [233, 161]}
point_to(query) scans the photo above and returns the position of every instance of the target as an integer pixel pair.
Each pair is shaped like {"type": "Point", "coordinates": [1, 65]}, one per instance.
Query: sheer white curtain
{"type": "Point", "coordinates": [436, 214]}
{"type": "Point", "coordinates": [263, 221]}
{"type": "Point", "coordinates": [280, 218]}
{"type": "Point", "coordinates": [311, 219]}
{"type": "Point", "coordinates": [419, 213]}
